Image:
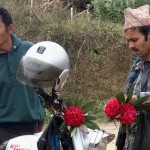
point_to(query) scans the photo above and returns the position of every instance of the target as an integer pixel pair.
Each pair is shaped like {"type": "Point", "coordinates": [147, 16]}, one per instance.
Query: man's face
{"type": "Point", "coordinates": [5, 32]}
{"type": "Point", "coordinates": [137, 43]}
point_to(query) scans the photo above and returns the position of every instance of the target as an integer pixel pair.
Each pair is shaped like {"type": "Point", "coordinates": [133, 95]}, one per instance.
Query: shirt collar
{"type": "Point", "coordinates": [16, 42]}
{"type": "Point", "coordinates": [140, 64]}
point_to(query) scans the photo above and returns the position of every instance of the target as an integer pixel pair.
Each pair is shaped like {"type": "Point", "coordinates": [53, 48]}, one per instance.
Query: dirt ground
{"type": "Point", "coordinates": [111, 128]}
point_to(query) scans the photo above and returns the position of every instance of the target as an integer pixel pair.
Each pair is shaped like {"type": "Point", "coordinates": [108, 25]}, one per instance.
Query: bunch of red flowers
{"type": "Point", "coordinates": [122, 112]}
{"type": "Point", "coordinates": [74, 116]}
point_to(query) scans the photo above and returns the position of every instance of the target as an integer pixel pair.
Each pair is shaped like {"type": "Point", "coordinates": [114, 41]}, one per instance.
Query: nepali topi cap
{"type": "Point", "coordinates": [137, 17]}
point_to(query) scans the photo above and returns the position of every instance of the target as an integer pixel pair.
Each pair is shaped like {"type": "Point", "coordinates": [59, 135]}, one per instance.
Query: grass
{"type": "Point", "coordinates": [99, 110]}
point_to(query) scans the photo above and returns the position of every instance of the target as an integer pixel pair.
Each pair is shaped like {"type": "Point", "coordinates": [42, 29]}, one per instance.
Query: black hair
{"type": "Point", "coordinates": [145, 30]}
{"type": "Point", "coordinates": [5, 16]}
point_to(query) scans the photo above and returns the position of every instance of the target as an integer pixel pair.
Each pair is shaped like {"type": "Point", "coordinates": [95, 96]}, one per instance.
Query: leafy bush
{"type": "Point", "coordinates": [113, 9]}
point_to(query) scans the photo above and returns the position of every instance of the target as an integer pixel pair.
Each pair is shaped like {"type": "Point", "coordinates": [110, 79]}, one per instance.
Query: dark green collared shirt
{"type": "Point", "coordinates": [18, 103]}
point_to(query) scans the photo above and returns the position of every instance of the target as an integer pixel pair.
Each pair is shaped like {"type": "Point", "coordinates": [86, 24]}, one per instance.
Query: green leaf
{"type": "Point", "coordinates": [91, 125]}
{"type": "Point", "coordinates": [109, 120]}
{"type": "Point", "coordinates": [137, 120]}
{"type": "Point", "coordinates": [89, 117]}
{"type": "Point", "coordinates": [78, 102]}
{"type": "Point", "coordinates": [69, 102]}
{"type": "Point", "coordinates": [74, 102]}
{"type": "Point", "coordinates": [117, 116]}
{"type": "Point", "coordinates": [88, 106]}
{"type": "Point", "coordinates": [120, 97]}
{"type": "Point", "coordinates": [130, 94]}
{"type": "Point", "coordinates": [73, 131]}
{"type": "Point", "coordinates": [140, 101]}
{"type": "Point", "coordinates": [142, 107]}
{"type": "Point", "coordinates": [62, 127]}
{"type": "Point", "coordinates": [123, 127]}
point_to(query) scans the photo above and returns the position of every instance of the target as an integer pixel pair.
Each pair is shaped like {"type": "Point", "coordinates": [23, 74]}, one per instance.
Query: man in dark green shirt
{"type": "Point", "coordinates": [20, 107]}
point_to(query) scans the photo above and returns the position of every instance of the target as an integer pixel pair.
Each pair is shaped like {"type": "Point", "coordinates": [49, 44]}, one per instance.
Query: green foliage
{"type": "Point", "coordinates": [140, 101]}
{"type": "Point", "coordinates": [91, 125]}
{"type": "Point", "coordinates": [93, 54]}
{"type": "Point", "coordinates": [95, 107]}
{"type": "Point", "coordinates": [113, 9]}
{"type": "Point", "coordinates": [120, 97]}
{"type": "Point", "coordinates": [63, 126]}
{"type": "Point", "coordinates": [47, 116]}
{"type": "Point", "coordinates": [130, 93]}
{"type": "Point", "coordinates": [123, 127]}
{"type": "Point", "coordinates": [142, 107]}
{"type": "Point", "coordinates": [98, 111]}
{"type": "Point", "coordinates": [89, 117]}
{"type": "Point", "coordinates": [77, 101]}
{"type": "Point", "coordinates": [73, 131]}
{"type": "Point", "coordinates": [88, 106]}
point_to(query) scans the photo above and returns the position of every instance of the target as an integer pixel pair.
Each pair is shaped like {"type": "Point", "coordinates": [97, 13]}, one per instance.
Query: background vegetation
{"type": "Point", "coordinates": [99, 55]}
{"type": "Point", "coordinates": [113, 9]}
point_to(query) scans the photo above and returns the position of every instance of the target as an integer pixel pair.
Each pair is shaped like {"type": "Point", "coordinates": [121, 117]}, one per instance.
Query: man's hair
{"type": "Point", "coordinates": [145, 30]}
{"type": "Point", "coordinates": [5, 16]}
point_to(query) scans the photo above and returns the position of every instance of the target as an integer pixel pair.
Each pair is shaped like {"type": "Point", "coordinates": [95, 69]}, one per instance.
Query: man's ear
{"type": "Point", "coordinates": [10, 28]}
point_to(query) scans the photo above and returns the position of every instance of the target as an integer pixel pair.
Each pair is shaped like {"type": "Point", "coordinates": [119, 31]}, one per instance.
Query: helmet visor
{"type": "Point", "coordinates": [37, 74]}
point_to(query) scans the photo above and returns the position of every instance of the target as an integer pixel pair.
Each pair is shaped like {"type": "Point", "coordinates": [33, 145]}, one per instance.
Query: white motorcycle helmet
{"type": "Point", "coordinates": [45, 64]}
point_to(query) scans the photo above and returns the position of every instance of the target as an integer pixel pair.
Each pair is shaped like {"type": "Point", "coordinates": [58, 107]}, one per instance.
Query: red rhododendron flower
{"type": "Point", "coordinates": [74, 116]}
{"type": "Point", "coordinates": [112, 108]}
{"type": "Point", "coordinates": [127, 114]}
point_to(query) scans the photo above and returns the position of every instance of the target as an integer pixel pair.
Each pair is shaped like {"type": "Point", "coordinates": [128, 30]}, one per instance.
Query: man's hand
{"type": "Point", "coordinates": [40, 126]}
{"type": "Point", "coordinates": [134, 97]}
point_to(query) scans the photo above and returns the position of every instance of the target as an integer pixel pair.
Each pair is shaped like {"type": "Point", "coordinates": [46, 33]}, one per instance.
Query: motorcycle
{"type": "Point", "coordinates": [52, 138]}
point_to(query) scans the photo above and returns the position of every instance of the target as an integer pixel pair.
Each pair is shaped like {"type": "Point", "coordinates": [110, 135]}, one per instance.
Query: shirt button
{"type": "Point", "coordinates": [14, 47]}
